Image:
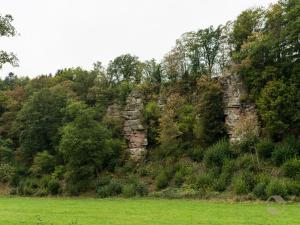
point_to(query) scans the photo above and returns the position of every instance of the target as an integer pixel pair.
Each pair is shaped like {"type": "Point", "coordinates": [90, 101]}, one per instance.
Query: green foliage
{"type": "Point", "coordinates": [291, 168]}
{"type": "Point", "coordinates": [264, 148]}
{"type": "Point", "coordinates": [54, 187]}
{"type": "Point", "coordinates": [204, 181]}
{"type": "Point", "coordinates": [43, 163]}
{"type": "Point", "coordinates": [260, 190]}
{"type": "Point", "coordinates": [8, 30]}
{"type": "Point", "coordinates": [112, 188]}
{"type": "Point", "coordinates": [7, 172]}
{"type": "Point", "coordinates": [276, 105]}
{"type": "Point", "coordinates": [216, 155]}
{"type": "Point", "coordinates": [135, 188]}
{"type": "Point", "coordinates": [163, 178]}
{"type": "Point", "coordinates": [86, 147]}
{"type": "Point", "coordinates": [243, 183]}
{"type": "Point", "coordinates": [282, 152]}
{"type": "Point", "coordinates": [276, 187]}
{"type": "Point", "coordinates": [39, 121]}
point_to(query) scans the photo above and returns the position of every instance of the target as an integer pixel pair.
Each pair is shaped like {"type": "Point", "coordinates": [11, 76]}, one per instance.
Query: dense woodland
{"type": "Point", "coordinates": [57, 138]}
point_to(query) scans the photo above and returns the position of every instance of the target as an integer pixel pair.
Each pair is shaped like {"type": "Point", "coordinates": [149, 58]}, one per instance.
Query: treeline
{"type": "Point", "coordinates": [56, 136]}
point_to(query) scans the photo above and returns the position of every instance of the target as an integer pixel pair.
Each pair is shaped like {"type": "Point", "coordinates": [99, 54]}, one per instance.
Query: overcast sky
{"type": "Point", "coordinates": [56, 34]}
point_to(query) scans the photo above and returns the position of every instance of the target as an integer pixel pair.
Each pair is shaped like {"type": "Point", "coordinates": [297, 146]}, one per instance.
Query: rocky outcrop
{"type": "Point", "coordinates": [238, 111]}
{"type": "Point", "coordinates": [134, 131]}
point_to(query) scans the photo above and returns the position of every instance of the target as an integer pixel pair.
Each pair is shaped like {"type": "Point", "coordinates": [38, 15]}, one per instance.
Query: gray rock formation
{"type": "Point", "coordinates": [134, 131]}
{"type": "Point", "coordinates": [240, 114]}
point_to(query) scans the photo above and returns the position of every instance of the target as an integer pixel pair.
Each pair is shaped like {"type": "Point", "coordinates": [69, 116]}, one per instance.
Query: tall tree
{"type": "Point", "coordinates": [7, 30]}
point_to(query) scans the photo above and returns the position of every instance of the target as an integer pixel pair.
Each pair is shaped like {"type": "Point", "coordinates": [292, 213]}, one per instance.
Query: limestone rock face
{"type": "Point", "coordinates": [239, 112]}
{"type": "Point", "coordinates": [134, 131]}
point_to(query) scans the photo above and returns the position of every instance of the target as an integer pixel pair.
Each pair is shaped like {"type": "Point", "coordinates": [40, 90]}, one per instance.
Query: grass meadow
{"type": "Point", "coordinates": [82, 211]}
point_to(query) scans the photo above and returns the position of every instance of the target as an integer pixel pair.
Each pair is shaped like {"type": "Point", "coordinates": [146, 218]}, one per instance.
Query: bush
{"type": "Point", "coordinates": [291, 168]}
{"type": "Point", "coordinates": [260, 190]}
{"type": "Point", "coordinates": [282, 152]}
{"type": "Point", "coordinates": [136, 188]}
{"type": "Point", "coordinates": [113, 188]}
{"type": "Point", "coordinates": [217, 154]}
{"type": "Point", "coordinates": [162, 180]}
{"type": "Point", "coordinates": [276, 187]}
{"type": "Point", "coordinates": [7, 173]}
{"type": "Point", "coordinates": [28, 186]}
{"type": "Point", "coordinates": [179, 178]}
{"type": "Point", "coordinates": [54, 187]}
{"type": "Point", "coordinates": [204, 181]}
{"type": "Point", "coordinates": [246, 163]}
{"type": "Point", "coordinates": [293, 187]}
{"type": "Point", "coordinates": [243, 183]}
{"type": "Point", "coordinates": [196, 154]}
{"type": "Point", "coordinates": [264, 148]}
{"type": "Point", "coordinates": [223, 181]}
{"type": "Point", "coordinates": [43, 163]}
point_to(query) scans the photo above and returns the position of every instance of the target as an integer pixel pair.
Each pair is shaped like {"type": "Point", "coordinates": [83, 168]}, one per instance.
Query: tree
{"type": "Point", "coordinates": [248, 21]}
{"type": "Point", "coordinates": [125, 67]}
{"type": "Point", "coordinates": [7, 30]}
{"type": "Point", "coordinates": [86, 146]}
{"type": "Point", "coordinates": [38, 123]}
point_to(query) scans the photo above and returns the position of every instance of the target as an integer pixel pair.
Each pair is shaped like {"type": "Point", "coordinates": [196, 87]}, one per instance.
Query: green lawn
{"type": "Point", "coordinates": [44, 211]}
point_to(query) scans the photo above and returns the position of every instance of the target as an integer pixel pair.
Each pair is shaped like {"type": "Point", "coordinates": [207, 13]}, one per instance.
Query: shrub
{"type": "Point", "coordinates": [43, 163]}
{"type": "Point", "coordinates": [196, 154]}
{"type": "Point", "coordinates": [113, 188]}
{"type": "Point", "coordinates": [247, 163]}
{"type": "Point", "coordinates": [291, 168]}
{"type": "Point", "coordinates": [7, 173]}
{"type": "Point", "coordinates": [162, 180]}
{"type": "Point", "coordinates": [228, 169]}
{"type": "Point", "coordinates": [54, 187]}
{"type": "Point", "coordinates": [243, 183]}
{"type": "Point", "coordinates": [179, 178]}
{"type": "Point", "coordinates": [282, 152]}
{"type": "Point", "coordinates": [293, 187]}
{"type": "Point", "coordinates": [260, 190]}
{"type": "Point", "coordinates": [28, 186]}
{"type": "Point", "coordinates": [204, 181]}
{"type": "Point", "coordinates": [276, 187]}
{"type": "Point", "coordinates": [264, 148]}
{"type": "Point", "coordinates": [217, 154]}
{"type": "Point", "coordinates": [6, 154]}
{"type": "Point", "coordinates": [136, 188]}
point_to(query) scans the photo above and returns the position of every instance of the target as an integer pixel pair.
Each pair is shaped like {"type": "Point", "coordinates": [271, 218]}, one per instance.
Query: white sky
{"type": "Point", "coordinates": [56, 34]}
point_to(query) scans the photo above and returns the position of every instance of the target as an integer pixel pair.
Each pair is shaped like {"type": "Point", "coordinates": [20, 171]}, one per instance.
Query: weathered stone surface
{"type": "Point", "coordinates": [134, 131]}
{"type": "Point", "coordinates": [237, 109]}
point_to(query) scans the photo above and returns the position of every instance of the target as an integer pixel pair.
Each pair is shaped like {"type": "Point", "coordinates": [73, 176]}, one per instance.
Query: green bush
{"type": "Point", "coordinates": [196, 154]}
{"type": "Point", "coordinates": [260, 190]}
{"type": "Point", "coordinates": [283, 152]}
{"type": "Point", "coordinates": [217, 154]}
{"type": "Point", "coordinates": [28, 186]}
{"type": "Point", "coordinates": [7, 173]}
{"type": "Point", "coordinates": [243, 183]}
{"type": "Point", "coordinates": [264, 148]}
{"type": "Point", "coordinates": [179, 178]}
{"type": "Point", "coordinates": [246, 162]}
{"type": "Point", "coordinates": [136, 188]}
{"type": "Point", "coordinates": [54, 187]}
{"type": "Point", "coordinates": [276, 187]}
{"type": "Point", "coordinates": [291, 168]}
{"type": "Point", "coordinates": [224, 179]}
{"type": "Point", "coordinates": [113, 188]}
{"type": "Point", "coordinates": [43, 163]}
{"type": "Point", "coordinates": [162, 180]}
{"type": "Point", "coordinates": [293, 187]}
{"type": "Point", "coordinates": [204, 181]}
